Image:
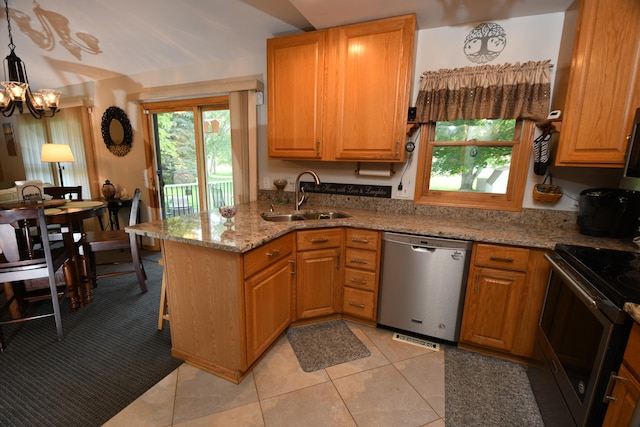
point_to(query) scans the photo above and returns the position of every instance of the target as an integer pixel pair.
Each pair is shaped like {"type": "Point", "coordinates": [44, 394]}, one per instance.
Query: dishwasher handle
{"type": "Point", "coordinates": [422, 248]}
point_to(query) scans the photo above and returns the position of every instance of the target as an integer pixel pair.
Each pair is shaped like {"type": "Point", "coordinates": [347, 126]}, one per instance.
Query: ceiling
{"type": "Point", "coordinates": [66, 42]}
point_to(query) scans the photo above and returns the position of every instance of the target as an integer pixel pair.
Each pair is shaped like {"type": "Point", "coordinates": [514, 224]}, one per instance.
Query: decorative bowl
{"type": "Point", "coordinates": [227, 212]}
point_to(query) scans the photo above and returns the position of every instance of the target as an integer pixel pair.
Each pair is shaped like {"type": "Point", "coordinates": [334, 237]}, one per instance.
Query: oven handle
{"type": "Point", "coordinates": [571, 280]}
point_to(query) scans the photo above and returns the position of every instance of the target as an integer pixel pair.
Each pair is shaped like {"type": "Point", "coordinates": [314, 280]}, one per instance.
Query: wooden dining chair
{"type": "Point", "coordinates": [117, 240]}
{"type": "Point", "coordinates": [27, 258]}
{"type": "Point", "coordinates": [71, 193]}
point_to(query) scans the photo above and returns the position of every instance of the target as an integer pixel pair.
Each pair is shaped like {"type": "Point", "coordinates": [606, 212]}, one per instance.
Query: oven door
{"type": "Point", "coordinates": [573, 336]}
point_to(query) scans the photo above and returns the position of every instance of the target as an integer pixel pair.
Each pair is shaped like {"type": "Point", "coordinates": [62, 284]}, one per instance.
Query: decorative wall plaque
{"type": "Point", "coordinates": [485, 43]}
{"type": "Point", "coordinates": [380, 191]}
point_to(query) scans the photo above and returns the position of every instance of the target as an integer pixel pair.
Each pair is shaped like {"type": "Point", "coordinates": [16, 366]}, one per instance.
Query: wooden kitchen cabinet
{"type": "Point", "coordinates": [227, 308]}
{"type": "Point", "coordinates": [269, 294]}
{"type": "Point", "coordinates": [319, 273]}
{"type": "Point", "coordinates": [504, 297]}
{"type": "Point", "coordinates": [338, 94]}
{"type": "Point", "coordinates": [626, 390]}
{"type": "Point", "coordinates": [361, 275]}
{"type": "Point", "coordinates": [597, 85]}
{"type": "Point", "coordinates": [296, 82]}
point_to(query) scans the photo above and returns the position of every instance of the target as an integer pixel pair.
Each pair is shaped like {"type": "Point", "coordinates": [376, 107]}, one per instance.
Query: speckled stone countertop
{"type": "Point", "coordinates": [633, 310]}
{"type": "Point", "coordinates": [250, 230]}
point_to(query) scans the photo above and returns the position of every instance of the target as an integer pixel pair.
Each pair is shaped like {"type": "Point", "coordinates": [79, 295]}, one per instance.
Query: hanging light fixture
{"type": "Point", "coordinates": [16, 92]}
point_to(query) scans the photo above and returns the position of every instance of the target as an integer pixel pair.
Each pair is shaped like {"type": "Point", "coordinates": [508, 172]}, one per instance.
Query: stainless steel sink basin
{"type": "Point", "coordinates": [324, 215]}
{"type": "Point", "coordinates": [302, 215]}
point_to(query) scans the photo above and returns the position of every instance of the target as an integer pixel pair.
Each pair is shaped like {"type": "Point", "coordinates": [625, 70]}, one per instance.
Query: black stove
{"type": "Point", "coordinates": [615, 273]}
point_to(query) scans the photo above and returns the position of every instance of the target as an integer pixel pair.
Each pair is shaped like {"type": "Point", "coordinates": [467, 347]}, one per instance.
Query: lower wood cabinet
{"type": "Point", "coordinates": [626, 390]}
{"type": "Point", "coordinates": [503, 300]}
{"type": "Point", "coordinates": [319, 273]}
{"type": "Point", "coordinates": [269, 302]}
{"type": "Point", "coordinates": [361, 274]}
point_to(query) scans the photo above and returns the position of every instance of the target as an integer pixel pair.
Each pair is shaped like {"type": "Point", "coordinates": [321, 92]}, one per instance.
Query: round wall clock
{"type": "Point", "coordinates": [116, 131]}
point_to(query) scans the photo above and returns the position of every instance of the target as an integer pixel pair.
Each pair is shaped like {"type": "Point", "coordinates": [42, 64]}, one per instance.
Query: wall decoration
{"type": "Point", "coordinates": [485, 43]}
{"type": "Point", "coordinates": [381, 191]}
{"type": "Point", "coordinates": [116, 131]}
{"type": "Point", "coordinates": [7, 130]}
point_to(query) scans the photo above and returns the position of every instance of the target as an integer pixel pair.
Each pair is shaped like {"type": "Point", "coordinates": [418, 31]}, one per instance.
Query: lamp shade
{"type": "Point", "coordinates": [56, 153]}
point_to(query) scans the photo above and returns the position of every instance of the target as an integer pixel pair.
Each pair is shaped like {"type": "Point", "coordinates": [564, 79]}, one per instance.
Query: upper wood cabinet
{"type": "Point", "coordinates": [341, 93]}
{"type": "Point", "coordinates": [296, 82]}
{"type": "Point", "coordinates": [598, 83]}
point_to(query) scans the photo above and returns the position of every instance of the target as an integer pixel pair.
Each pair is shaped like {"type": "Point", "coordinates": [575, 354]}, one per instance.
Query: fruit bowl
{"type": "Point", "coordinates": [227, 212]}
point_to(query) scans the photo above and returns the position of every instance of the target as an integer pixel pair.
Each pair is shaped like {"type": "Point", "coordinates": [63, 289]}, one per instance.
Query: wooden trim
{"type": "Point", "coordinates": [196, 89]}
{"type": "Point", "coordinates": [511, 201]}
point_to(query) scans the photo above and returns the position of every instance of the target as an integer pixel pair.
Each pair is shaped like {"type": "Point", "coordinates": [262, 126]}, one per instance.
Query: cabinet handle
{"type": "Point", "coordinates": [292, 263]}
{"type": "Point", "coordinates": [612, 379]}
{"type": "Point", "coordinates": [356, 305]}
{"type": "Point", "coordinates": [356, 240]}
{"type": "Point", "coordinates": [274, 253]}
{"type": "Point", "coordinates": [318, 148]}
{"type": "Point", "coordinates": [475, 288]}
{"type": "Point", "coordinates": [356, 280]}
{"type": "Point", "coordinates": [497, 258]}
{"type": "Point", "coordinates": [319, 240]}
{"type": "Point", "coordinates": [359, 261]}
{"type": "Point", "coordinates": [338, 263]}
{"type": "Point", "coordinates": [397, 145]}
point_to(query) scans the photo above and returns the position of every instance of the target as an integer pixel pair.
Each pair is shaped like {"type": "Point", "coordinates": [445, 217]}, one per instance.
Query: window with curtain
{"type": "Point", "coordinates": [64, 128]}
{"type": "Point", "coordinates": [478, 126]}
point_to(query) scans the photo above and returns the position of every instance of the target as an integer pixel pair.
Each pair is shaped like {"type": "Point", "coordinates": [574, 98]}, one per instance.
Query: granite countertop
{"type": "Point", "coordinates": [250, 230]}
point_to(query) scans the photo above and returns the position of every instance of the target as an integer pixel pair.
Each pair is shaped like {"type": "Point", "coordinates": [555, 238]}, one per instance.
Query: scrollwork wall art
{"type": "Point", "coordinates": [485, 43]}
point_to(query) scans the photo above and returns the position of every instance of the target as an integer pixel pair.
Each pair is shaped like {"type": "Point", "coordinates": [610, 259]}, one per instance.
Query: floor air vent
{"type": "Point", "coordinates": [416, 341]}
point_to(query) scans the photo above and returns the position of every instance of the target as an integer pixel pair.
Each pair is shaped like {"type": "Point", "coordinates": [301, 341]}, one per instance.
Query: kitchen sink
{"type": "Point", "coordinates": [302, 215]}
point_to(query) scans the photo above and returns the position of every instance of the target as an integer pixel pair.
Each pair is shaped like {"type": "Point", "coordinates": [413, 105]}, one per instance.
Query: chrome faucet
{"type": "Point", "coordinates": [300, 200]}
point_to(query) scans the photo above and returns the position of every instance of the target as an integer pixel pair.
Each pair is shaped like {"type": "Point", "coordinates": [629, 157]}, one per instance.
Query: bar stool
{"type": "Point", "coordinates": [163, 314]}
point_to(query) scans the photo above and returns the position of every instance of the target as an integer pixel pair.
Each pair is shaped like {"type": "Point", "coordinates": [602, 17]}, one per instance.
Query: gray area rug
{"type": "Point", "coordinates": [483, 391]}
{"type": "Point", "coordinates": [325, 344]}
{"type": "Point", "coordinates": [111, 354]}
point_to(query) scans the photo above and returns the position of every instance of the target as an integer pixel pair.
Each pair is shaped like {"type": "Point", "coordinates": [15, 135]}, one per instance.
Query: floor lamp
{"type": "Point", "coordinates": [56, 153]}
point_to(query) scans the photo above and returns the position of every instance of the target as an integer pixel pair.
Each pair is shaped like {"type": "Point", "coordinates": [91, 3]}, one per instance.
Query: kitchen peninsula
{"type": "Point", "coordinates": [231, 290]}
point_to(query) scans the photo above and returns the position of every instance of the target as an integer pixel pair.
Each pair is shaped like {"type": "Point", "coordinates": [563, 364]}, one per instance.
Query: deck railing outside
{"type": "Point", "coordinates": [180, 199]}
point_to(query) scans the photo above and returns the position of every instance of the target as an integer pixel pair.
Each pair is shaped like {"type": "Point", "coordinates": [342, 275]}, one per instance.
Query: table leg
{"type": "Point", "coordinates": [14, 310]}
{"type": "Point", "coordinates": [71, 279]}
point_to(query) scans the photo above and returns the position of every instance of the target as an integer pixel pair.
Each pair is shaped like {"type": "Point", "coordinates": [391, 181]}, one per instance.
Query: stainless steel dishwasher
{"type": "Point", "coordinates": [422, 284]}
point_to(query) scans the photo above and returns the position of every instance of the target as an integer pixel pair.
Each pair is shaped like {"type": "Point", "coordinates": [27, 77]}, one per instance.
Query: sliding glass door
{"type": "Point", "coordinates": [193, 156]}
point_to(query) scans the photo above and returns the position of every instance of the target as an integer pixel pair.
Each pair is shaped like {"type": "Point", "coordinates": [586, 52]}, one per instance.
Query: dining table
{"type": "Point", "coordinates": [70, 215]}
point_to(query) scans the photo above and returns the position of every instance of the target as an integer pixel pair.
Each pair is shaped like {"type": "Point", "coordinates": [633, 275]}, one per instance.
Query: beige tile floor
{"type": "Point", "coordinates": [398, 385]}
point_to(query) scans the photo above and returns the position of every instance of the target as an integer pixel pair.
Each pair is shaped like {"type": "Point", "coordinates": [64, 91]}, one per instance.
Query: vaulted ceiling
{"type": "Point", "coordinates": [66, 42]}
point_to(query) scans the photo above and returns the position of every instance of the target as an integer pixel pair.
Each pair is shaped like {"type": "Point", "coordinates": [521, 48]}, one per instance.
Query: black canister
{"type": "Point", "coordinates": [609, 212]}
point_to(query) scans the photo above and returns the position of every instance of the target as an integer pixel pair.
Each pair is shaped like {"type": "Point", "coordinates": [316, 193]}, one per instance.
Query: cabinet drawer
{"type": "Point", "coordinates": [366, 280]}
{"type": "Point", "coordinates": [267, 254]}
{"type": "Point", "coordinates": [359, 303]}
{"type": "Point", "coordinates": [319, 239]}
{"type": "Point", "coordinates": [361, 259]}
{"type": "Point", "coordinates": [502, 257]}
{"type": "Point", "coordinates": [362, 239]}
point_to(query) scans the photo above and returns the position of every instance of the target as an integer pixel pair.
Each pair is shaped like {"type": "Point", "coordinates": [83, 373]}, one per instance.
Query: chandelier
{"type": "Point", "coordinates": [16, 92]}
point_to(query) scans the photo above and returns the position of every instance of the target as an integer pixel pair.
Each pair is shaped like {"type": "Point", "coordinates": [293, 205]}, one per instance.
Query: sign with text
{"type": "Point", "coordinates": [380, 191]}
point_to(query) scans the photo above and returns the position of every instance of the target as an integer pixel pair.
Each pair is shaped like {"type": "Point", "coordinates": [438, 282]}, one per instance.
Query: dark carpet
{"type": "Point", "coordinates": [483, 391]}
{"type": "Point", "coordinates": [111, 354]}
{"type": "Point", "coordinates": [325, 344]}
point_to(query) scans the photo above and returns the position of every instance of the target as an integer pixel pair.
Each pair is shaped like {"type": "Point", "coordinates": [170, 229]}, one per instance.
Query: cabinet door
{"type": "Point", "coordinates": [626, 393]}
{"type": "Point", "coordinates": [319, 283]}
{"type": "Point", "coordinates": [374, 62]}
{"type": "Point", "coordinates": [492, 307]}
{"type": "Point", "coordinates": [295, 80]}
{"type": "Point", "coordinates": [269, 307]}
{"type": "Point", "coordinates": [604, 85]}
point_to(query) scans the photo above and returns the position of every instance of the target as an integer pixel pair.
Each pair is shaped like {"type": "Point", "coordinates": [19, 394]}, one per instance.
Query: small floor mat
{"type": "Point", "coordinates": [325, 344]}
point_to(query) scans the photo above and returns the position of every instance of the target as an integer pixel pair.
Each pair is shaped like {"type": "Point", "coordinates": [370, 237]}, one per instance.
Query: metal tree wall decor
{"type": "Point", "coordinates": [485, 43]}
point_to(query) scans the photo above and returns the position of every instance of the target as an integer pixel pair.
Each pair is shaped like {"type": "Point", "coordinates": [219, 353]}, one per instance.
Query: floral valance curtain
{"type": "Point", "coordinates": [507, 91]}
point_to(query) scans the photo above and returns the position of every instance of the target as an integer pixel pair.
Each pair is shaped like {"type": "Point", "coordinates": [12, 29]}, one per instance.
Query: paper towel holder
{"type": "Point", "coordinates": [382, 173]}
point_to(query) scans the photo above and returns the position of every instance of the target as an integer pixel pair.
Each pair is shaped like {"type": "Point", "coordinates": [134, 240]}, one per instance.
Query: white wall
{"type": "Point", "coordinates": [529, 38]}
